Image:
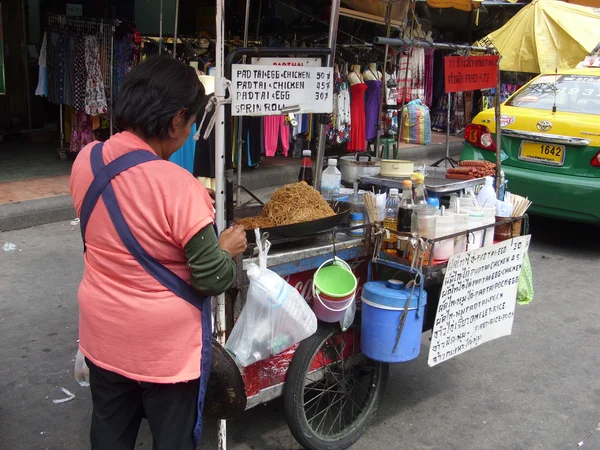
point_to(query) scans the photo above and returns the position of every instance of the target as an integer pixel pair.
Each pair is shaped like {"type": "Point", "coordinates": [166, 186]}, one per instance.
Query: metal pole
{"type": "Point", "coordinates": [175, 30]}
{"type": "Point", "coordinates": [498, 117]}
{"type": "Point", "coordinates": [333, 27]}
{"type": "Point", "coordinates": [160, 26]}
{"type": "Point", "coordinates": [388, 23]}
{"type": "Point", "coordinates": [401, 42]}
{"type": "Point", "coordinates": [62, 128]}
{"type": "Point", "coordinates": [112, 54]}
{"type": "Point", "coordinates": [405, 88]}
{"type": "Point", "coordinates": [448, 130]}
{"type": "Point", "coordinates": [220, 178]}
{"type": "Point", "coordinates": [258, 22]}
{"type": "Point", "coordinates": [25, 58]}
{"type": "Point", "coordinates": [240, 140]}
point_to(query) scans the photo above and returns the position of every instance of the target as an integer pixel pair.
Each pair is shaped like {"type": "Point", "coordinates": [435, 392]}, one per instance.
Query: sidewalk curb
{"type": "Point", "coordinates": [31, 213]}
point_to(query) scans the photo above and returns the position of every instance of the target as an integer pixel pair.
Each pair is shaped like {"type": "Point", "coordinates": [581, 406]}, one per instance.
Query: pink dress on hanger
{"type": "Point", "coordinates": [358, 124]}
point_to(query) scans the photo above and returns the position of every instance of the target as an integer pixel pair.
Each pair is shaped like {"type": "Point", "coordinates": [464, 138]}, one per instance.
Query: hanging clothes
{"type": "Point", "coordinates": [429, 77]}
{"type": "Point", "coordinates": [358, 141]}
{"type": "Point", "coordinates": [339, 129]}
{"type": "Point", "coordinates": [372, 104]}
{"type": "Point", "coordinates": [185, 156]}
{"type": "Point", "coordinates": [404, 77]}
{"type": "Point", "coordinates": [42, 86]}
{"type": "Point", "coordinates": [82, 131]}
{"type": "Point", "coordinates": [95, 95]}
{"type": "Point", "coordinates": [276, 131]}
{"type": "Point", "coordinates": [418, 74]}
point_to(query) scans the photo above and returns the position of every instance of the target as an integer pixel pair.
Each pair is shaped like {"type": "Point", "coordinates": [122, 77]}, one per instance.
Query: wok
{"type": "Point", "coordinates": [296, 230]}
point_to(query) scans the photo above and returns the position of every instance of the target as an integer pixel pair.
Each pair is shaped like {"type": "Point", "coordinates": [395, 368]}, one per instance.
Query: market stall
{"type": "Point", "coordinates": [370, 299]}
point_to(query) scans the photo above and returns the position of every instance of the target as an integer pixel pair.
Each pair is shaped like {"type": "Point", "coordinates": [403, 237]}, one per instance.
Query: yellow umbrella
{"type": "Point", "coordinates": [545, 35]}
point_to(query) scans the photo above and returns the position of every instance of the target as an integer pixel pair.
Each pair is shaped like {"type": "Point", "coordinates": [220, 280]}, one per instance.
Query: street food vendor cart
{"type": "Point", "coordinates": [330, 389]}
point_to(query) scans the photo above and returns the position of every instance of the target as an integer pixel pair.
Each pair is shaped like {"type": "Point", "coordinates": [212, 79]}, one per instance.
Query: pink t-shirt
{"type": "Point", "coordinates": [128, 322]}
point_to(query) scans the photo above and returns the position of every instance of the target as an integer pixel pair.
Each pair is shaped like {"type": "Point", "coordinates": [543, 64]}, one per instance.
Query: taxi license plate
{"type": "Point", "coordinates": [542, 153]}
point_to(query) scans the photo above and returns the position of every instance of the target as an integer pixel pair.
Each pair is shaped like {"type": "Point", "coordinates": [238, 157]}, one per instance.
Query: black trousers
{"type": "Point", "coordinates": [120, 404]}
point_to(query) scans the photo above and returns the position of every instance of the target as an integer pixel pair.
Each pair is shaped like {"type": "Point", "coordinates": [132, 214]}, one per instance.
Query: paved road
{"type": "Point", "coordinates": [536, 389]}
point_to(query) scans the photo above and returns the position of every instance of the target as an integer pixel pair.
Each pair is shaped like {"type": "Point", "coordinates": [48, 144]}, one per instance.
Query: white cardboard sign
{"type": "Point", "coordinates": [265, 90]}
{"type": "Point", "coordinates": [477, 302]}
{"type": "Point", "coordinates": [291, 62]}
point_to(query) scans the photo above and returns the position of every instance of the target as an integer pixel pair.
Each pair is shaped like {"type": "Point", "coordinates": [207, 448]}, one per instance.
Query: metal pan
{"type": "Point", "coordinates": [296, 230]}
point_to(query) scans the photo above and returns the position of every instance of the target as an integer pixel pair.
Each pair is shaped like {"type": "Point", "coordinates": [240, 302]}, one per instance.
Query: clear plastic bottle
{"type": "Point", "coordinates": [404, 216]}
{"type": "Point", "coordinates": [331, 180]}
{"type": "Point", "coordinates": [420, 195]}
{"type": "Point", "coordinates": [391, 222]}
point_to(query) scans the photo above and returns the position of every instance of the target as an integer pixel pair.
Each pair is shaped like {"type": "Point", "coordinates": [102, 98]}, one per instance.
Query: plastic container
{"type": "Point", "coordinates": [423, 221]}
{"type": "Point", "coordinates": [357, 219]}
{"type": "Point", "coordinates": [390, 242]}
{"type": "Point", "coordinates": [334, 290]}
{"type": "Point", "coordinates": [489, 218]}
{"type": "Point", "coordinates": [475, 238]}
{"type": "Point", "coordinates": [487, 194]}
{"type": "Point", "coordinates": [383, 303]}
{"type": "Point", "coordinates": [461, 224]}
{"type": "Point", "coordinates": [331, 180]}
{"type": "Point", "coordinates": [444, 226]}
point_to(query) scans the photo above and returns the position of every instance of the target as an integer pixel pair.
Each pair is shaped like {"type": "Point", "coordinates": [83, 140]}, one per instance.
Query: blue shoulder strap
{"type": "Point", "coordinates": [103, 174]}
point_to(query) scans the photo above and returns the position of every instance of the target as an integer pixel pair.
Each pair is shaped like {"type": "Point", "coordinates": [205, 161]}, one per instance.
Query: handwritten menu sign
{"type": "Point", "coordinates": [477, 303]}
{"type": "Point", "coordinates": [265, 90]}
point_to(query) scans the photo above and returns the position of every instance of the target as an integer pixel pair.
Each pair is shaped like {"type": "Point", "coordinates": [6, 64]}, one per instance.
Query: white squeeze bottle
{"type": "Point", "coordinates": [331, 180]}
{"type": "Point", "coordinates": [487, 194]}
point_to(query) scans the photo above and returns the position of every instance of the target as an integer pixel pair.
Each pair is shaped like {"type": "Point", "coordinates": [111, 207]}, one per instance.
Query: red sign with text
{"type": "Point", "coordinates": [470, 73]}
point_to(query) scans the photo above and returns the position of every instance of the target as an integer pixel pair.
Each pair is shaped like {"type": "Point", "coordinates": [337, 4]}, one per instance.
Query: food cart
{"type": "Point", "coordinates": [330, 389]}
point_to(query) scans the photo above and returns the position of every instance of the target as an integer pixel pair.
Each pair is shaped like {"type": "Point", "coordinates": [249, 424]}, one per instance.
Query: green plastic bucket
{"type": "Point", "coordinates": [335, 281]}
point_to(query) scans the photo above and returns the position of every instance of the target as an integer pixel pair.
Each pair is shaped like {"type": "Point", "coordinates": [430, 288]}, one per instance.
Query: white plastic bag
{"type": "Point", "coordinates": [82, 373]}
{"type": "Point", "coordinates": [274, 318]}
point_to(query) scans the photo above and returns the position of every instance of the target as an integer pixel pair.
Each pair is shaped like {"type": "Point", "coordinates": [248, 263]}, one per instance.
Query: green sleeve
{"type": "Point", "coordinates": [213, 269]}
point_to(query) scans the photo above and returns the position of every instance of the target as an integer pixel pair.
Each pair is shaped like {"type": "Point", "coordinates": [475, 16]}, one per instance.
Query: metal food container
{"type": "Point", "coordinates": [355, 166]}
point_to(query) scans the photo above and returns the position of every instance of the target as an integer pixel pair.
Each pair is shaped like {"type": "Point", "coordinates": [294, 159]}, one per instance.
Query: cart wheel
{"type": "Point", "coordinates": [332, 391]}
{"type": "Point", "coordinates": [63, 155]}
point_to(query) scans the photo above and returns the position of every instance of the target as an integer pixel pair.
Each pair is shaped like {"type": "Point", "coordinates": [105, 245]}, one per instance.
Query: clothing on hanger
{"type": "Point", "coordinates": [358, 141]}
{"type": "Point", "coordinates": [372, 104]}
{"type": "Point", "coordinates": [276, 131]}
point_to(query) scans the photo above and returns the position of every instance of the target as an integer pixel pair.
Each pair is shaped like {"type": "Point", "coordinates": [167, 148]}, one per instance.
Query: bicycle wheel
{"type": "Point", "coordinates": [332, 391]}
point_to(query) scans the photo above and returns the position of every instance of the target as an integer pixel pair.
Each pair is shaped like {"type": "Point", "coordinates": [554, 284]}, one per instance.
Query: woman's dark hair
{"type": "Point", "coordinates": [154, 92]}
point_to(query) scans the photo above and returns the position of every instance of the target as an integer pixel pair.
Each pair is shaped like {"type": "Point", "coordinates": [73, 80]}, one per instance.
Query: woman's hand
{"type": "Point", "coordinates": [233, 240]}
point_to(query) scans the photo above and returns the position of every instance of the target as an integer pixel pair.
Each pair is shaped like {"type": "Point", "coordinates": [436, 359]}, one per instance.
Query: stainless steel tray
{"type": "Point", "coordinates": [435, 181]}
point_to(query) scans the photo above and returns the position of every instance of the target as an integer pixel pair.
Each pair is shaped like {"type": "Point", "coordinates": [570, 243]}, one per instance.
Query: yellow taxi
{"type": "Point", "coordinates": [550, 143]}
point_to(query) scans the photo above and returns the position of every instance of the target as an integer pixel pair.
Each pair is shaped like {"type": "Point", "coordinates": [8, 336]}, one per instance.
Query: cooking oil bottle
{"type": "Point", "coordinates": [390, 243]}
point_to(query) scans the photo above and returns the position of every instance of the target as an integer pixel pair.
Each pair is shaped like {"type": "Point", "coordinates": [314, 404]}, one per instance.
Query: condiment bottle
{"type": "Point", "coordinates": [420, 196]}
{"type": "Point", "coordinates": [306, 173]}
{"type": "Point", "coordinates": [404, 216]}
{"type": "Point", "coordinates": [391, 222]}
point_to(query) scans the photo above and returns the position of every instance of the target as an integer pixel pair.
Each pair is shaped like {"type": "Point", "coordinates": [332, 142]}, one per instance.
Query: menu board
{"type": "Point", "coordinates": [477, 302]}
{"type": "Point", "coordinates": [266, 89]}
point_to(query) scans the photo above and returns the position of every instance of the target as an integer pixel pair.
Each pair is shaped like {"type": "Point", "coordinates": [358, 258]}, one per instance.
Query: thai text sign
{"type": "Point", "coordinates": [470, 73]}
{"type": "Point", "coordinates": [266, 90]}
{"type": "Point", "coordinates": [477, 302]}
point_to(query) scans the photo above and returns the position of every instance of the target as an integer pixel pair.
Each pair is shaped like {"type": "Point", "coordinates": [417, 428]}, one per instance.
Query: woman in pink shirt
{"type": "Point", "coordinates": [152, 260]}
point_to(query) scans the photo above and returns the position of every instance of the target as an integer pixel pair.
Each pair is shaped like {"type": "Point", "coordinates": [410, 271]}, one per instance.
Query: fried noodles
{"type": "Point", "coordinates": [292, 203]}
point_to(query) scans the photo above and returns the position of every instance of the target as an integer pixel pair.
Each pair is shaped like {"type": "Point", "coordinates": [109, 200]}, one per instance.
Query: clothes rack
{"type": "Point", "coordinates": [105, 29]}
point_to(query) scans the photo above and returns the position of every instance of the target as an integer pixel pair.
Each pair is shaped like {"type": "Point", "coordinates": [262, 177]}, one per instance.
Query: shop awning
{"type": "Point", "coordinates": [376, 8]}
{"type": "Point", "coordinates": [545, 35]}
